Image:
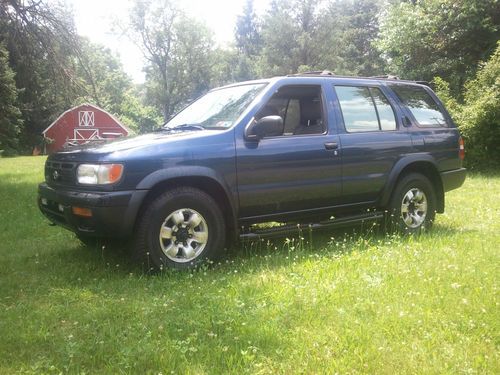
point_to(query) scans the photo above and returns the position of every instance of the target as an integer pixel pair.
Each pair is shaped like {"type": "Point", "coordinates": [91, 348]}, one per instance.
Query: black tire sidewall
{"type": "Point", "coordinates": [410, 181]}
{"type": "Point", "coordinates": [156, 213]}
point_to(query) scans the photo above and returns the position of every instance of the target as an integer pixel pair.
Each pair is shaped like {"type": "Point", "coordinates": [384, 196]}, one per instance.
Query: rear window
{"type": "Point", "coordinates": [422, 106]}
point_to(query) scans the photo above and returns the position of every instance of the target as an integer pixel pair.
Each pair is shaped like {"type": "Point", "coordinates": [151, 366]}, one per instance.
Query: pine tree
{"type": "Point", "coordinates": [10, 122]}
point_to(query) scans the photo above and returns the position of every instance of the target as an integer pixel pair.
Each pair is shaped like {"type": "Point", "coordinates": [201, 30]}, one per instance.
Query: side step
{"type": "Point", "coordinates": [334, 223]}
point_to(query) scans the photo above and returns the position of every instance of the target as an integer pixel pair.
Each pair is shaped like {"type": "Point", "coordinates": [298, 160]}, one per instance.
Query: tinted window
{"type": "Point", "coordinates": [365, 109]}
{"type": "Point", "coordinates": [421, 104]}
{"type": "Point", "coordinates": [357, 108]}
{"type": "Point", "coordinates": [300, 107]}
{"type": "Point", "coordinates": [292, 116]}
{"type": "Point", "coordinates": [385, 112]}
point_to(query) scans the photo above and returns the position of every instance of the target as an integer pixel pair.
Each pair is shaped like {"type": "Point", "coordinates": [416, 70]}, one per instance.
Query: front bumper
{"type": "Point", "coordinates": [453, 179]}
{"type": "Point", "coordinates": [113, 213]}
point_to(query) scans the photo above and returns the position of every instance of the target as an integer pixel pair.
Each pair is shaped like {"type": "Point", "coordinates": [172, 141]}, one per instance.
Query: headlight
{"type": "Point", "coordinates": [99, 174]}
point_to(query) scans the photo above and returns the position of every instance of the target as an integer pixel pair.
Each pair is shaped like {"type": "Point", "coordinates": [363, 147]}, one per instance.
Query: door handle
{"type": "Point", "coordinates": [331, 145]}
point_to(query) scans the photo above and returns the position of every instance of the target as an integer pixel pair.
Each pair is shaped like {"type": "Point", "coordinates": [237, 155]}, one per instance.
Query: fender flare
{"type": "Point", "coordinates": [400, 165]}
{"type": "Point", "coordinates": [163, 175]}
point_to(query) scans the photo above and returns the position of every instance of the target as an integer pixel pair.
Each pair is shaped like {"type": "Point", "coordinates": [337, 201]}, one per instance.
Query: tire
{"type": "Point", "coordinates": [182, 228]}
{"type": "Point", "coordinates": [412, 207]}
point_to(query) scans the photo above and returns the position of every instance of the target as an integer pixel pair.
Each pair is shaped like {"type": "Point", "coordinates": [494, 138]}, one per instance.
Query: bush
{"type": "Point", "coordinates": [478, 117]}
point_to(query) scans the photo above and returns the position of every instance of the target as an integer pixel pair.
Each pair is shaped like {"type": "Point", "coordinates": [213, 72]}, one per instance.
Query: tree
{"type": "Point", "coordinates": [10, 115]}
{"type": "Point", "coordinates": [102, 75]}
{"type": "Point", "coordinates": [248, 44]}
{"type": "Point", "coordinates": [446, 38]}
{"type": "Point", "coordinates": [135, 115]}
{"type": "Point", "coordinates": [348, 30]}
{"type": "Point", "coordinates": [247, 35]}
{"type": "Point", "coordinates": [43, 52]}
{"type": "Point", "coordinates": [178, 51]}
{"type": "Point", "coordinates": [289, 37]}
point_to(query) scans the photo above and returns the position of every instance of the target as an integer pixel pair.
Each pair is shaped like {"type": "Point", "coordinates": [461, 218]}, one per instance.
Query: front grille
{"type": "Point", "coordinates": [60, 173]}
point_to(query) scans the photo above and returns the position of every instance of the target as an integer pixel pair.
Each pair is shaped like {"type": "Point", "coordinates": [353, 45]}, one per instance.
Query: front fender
{"type": "Point", "coordinates": [185, 171]}
{"type": "Point", "coordinates": [170, 173]}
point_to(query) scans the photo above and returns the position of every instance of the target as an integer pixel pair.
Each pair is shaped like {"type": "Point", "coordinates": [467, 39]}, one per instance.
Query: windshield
{"type": "Point", "coordinates": [218, 109]}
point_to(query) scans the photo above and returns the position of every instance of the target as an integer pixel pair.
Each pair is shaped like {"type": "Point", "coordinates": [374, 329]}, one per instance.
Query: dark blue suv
{"type": "Point", "coordinates": [312, 150]}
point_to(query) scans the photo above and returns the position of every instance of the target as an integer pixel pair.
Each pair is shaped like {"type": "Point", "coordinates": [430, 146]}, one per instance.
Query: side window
{"type": "Point", "coordinates": [292, 116]}
{"type": "Point", "coordinates": [421, 105]}
{"type": "Point", "coordinates": [385, 112]}
{"type": "Point", "coordinates": [300, 107]}
{"type": "Point", "coordinates": [365, 109]}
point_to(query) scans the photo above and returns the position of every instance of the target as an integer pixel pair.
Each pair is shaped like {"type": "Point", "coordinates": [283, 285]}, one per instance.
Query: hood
{"type": "Point", "coordinates": [134, 142]}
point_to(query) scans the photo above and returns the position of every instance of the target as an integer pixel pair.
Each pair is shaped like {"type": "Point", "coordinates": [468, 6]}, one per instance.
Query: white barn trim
{"type": "Point", "coordinates": [88, 105]}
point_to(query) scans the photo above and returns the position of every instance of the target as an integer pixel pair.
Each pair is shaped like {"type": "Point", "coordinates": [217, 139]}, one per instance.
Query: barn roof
{"type": "Point", "coordinates": [88, 105]}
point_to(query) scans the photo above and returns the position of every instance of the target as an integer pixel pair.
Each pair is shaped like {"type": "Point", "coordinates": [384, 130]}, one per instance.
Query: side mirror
{"type": "Point", "coordinates": [269, 126]}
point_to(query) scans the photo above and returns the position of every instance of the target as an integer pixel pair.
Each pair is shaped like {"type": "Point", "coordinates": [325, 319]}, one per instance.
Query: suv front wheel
{"type": "Point", "coordinates": [182, 228]}
{"type": "Point", "coordinates": [413, 204]}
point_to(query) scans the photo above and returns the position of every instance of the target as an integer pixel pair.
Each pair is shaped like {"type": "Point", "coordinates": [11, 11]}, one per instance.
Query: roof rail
{"type": "Point", "coordinates": [425, 83]}
{"type": "Point", "coordinates": [386, 76]}
{"type": "Point", "coordinates": [313, 73]}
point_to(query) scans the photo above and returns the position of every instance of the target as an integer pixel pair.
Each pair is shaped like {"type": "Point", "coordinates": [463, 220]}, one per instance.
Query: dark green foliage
{"type": "Point", "coordinates": [290, 37]}
{"type": "Point", "coordinates": [248, 40]}
{"type": "Point", "coordinates": [305, 35]}
{"type": "Point", "coordinates": [478, 117]}
{"type": "Point", "coordinates": [10, 115]}
{"type": "Point", "coordinates": [42, 46]}
{"type": "Point", "coordinates": [247, 33]}
{"type": "Point", "coordinates": [135, 115]}
{"type": "Point", "coordinates": [350, 29]}
{"type": "Point", "coordinates": [445, 38]}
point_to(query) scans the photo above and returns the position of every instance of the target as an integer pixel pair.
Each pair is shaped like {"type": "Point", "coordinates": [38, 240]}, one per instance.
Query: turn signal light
{"type": "Point", "coordinates": [80, 211]}
{"type": "Point", "coordinates": [461, 148]}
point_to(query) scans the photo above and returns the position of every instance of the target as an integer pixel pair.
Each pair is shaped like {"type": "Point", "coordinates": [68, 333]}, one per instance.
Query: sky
{"type": "Point", "coordinates": [94, 19]}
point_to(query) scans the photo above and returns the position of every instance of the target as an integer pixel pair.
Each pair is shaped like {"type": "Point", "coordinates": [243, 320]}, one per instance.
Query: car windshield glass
{"type": "Point", "coordinates": [218, 109]}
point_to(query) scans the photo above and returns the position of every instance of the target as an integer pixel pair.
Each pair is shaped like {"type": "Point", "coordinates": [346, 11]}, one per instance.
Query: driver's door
{"type": "Point", "coordinates": [298, 170]}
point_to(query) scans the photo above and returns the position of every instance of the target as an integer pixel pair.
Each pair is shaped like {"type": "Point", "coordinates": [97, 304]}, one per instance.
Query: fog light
{"type": "Point", "coordinates": [44, 201]}
{"type": "Point", "coordinates": [80, 211]}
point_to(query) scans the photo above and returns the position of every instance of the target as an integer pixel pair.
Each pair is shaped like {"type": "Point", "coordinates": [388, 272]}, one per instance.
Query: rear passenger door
{"type": "Point", "coordinates": [372, 139]}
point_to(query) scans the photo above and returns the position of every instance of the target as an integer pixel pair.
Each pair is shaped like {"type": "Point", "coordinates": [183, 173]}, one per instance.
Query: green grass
{"type": "Point", "coordinates": [346, 303]}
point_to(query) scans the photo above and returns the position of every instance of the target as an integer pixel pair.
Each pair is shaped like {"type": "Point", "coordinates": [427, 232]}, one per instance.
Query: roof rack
{"type": "Point", "coordinates": [386, 76]}
{"type": "Point", "coordinates": [313, 73]}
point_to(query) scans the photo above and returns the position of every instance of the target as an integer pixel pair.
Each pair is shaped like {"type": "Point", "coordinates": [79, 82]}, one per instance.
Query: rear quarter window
{"type": "Point", "coordinates": [422, 106]}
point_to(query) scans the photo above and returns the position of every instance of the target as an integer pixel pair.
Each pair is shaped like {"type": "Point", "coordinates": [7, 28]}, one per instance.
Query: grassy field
{"type": "Point", "coordinates": [346, 303]}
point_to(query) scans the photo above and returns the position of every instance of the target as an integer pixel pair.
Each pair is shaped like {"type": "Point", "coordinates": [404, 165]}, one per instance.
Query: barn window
{"type": "Point", "coordinates": [86, 118]}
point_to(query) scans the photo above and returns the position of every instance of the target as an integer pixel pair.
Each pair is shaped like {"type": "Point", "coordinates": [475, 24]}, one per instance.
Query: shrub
{"type": "Point", "coordinates": [478, 117]}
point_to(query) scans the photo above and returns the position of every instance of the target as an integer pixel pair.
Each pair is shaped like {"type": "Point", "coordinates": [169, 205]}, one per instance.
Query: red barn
{"type": "Point", "coordinates": [80, 125]}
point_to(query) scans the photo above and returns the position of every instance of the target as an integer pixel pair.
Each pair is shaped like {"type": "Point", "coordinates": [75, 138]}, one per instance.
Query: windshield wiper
{"type": "Point", "coordinates": [184, 127]}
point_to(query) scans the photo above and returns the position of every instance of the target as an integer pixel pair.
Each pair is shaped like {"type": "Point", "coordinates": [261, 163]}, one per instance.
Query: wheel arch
{"type": "Point", "coordinates": [423, 164]}
{"type": "Point", "coordinates": [200, 178]}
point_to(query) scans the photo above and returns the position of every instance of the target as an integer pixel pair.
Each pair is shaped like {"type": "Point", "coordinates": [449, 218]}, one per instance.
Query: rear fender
{"type": "Point", "coordinates": [421, 163]}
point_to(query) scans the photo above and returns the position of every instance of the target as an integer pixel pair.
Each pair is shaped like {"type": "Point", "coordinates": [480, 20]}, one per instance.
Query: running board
{"type": "Point", "coordinates": [334, 223]}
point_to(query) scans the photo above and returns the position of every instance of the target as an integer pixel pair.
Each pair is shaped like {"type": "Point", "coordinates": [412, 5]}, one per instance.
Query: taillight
{"type": "Point", "coordinates": [461, 148]}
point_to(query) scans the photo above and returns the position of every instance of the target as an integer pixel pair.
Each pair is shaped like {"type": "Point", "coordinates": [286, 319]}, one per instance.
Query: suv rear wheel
{"type": "Point", "coordinates": [182, 228]}
{"type": "Point", "coordinates": [413, 204]}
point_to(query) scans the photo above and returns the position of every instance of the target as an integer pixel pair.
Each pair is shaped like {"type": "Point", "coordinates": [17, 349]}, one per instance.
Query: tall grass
{"type": "Point", "coordinates": [343, 301]}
